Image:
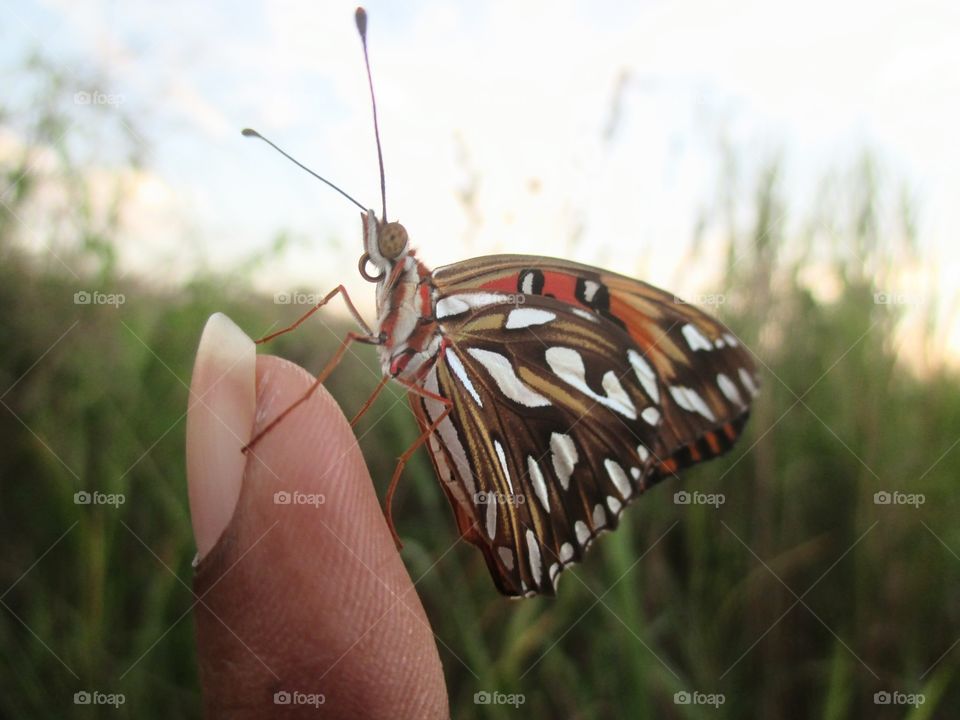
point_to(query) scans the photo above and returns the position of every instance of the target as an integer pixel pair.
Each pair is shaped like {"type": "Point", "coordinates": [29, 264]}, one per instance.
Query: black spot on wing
{"type": "Point", "coordinates": [593, 293]}
{"type": "Point", "coordinates": [530, 281]}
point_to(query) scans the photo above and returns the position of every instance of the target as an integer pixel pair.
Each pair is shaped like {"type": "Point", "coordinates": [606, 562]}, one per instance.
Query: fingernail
{"type": "Point", "coordinates": [219, 422]}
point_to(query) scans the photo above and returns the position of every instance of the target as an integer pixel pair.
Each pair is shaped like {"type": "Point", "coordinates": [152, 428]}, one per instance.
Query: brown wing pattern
{"type": "Point", "coordinates": [573, 391]}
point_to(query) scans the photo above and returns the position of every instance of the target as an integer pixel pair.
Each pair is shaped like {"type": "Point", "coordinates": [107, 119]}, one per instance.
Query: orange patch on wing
{"type": "Point", "coordinates": [668, 466]}
{"type": "Point", "coordinates": [712, 441]}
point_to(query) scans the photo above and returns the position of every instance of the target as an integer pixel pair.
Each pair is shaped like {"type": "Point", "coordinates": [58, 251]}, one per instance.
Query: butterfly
{"type": "Point", "coordinates": [549, 394]}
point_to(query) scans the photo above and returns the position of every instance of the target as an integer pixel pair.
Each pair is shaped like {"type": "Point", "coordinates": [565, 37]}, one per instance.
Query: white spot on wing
{"type": "Point", "coordinates": [731, 340]}
{"type": "Point", "coordinates": [564, 456]}
{"type": "Point", "coordinates": [448, 306]}
{"type": "Point", "coordinates": [525, 317]}
{"type": "Point", "coordinates": [503, 374]}
{"type": "Point", "coordinates": [651, 415]}
{"type": "Point", "coordinates": [695, 338]}
{"type": "Point", "coordinates": [700, 405]}
{"type": "Point", "coordinates": [729, 389]}
{"type": "Point", "coordinates": [554, 571]}
{"type": "Point", "coordinates": [644, 374]}
{"type": "Point", "coordinates": [503, 464]}
{"type": "Point", "coordinates": [533, 550]}
{"type": "Point", "coordinates": [583, 533]}
{"type": "Point", "coordinates": [748, 382]}
{"type": "Point", "coordinates": [567, 364]}
{"type": "Point", "coordinates": [690, 400]}
{"type": "Point", "coordinates": [566, 552]}
{"type": "Point", "coordinates": [461, 303]}
{"type": "Point", "coordinates": [614, 390]}
{"type": "Point", "coordinates": [491, 515]}
{"type": "Point", "coordinates": [614, 505]}
{"type": "Point", "coordinates": [506, 555]}
{"type": "Point", "coordinates": [599, 517]}
{"type": "Point", "coordinates": [461, 372]}
{"type": "Point", "coordinates": [680, 397]}
{"type": "Point", "coordinates": [642, 453]}
{"type": "Point", "coordinates": [585, 314]}
{"type": "Point", "coordinates": [448, 434]}
{"type": "Point", "coordinates": [590, 288]}
{"type": "Point", "coordinates": [618, 476]}
{"type": "Point", "coordinates": [539, 486]}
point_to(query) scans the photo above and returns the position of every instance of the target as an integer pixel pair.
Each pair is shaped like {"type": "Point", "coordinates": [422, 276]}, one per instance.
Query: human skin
{"type": "Point", "coordinates": [309, 596]}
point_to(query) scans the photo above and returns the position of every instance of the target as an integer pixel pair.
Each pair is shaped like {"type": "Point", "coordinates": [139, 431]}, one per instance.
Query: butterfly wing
{"type": "Point", "coordinates": [572, 391]}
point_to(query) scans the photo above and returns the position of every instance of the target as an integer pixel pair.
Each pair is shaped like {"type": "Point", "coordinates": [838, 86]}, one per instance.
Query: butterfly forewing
{"type": "Point", "coordinates": [565, 386]}
{"type": "Point", "coordinates": [707, 377]}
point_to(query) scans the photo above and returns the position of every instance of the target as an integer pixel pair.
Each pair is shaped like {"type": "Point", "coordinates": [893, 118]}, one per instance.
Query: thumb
{"type": "Point", "coordinates": [302, 598]}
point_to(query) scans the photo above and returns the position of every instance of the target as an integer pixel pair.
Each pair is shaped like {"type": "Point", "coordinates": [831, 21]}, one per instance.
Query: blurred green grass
{"type": "Point", "coordinates": [798, 597]}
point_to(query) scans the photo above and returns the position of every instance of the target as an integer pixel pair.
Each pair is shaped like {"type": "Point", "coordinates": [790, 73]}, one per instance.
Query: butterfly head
{"type": "Point", "coordinates": [384, 245]}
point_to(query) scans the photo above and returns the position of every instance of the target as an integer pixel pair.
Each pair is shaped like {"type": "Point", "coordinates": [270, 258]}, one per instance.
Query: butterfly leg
{"type": "Point", "coordinates": [324, 374]}
{"type": "Point", "coordinates": [401, 463]}
{"type": "Point", "coordinates": [329, 296]}
{"type": "Point", "coordinates": [370, 400]}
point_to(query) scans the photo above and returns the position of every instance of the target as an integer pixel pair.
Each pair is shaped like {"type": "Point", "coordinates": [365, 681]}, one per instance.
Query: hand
{"type": "Point", "coordinates": [305, 600]}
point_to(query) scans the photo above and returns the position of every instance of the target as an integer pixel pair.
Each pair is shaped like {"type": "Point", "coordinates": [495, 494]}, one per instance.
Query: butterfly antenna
{"type": "Point", "coordinates": [247, 132]}
{"type": "Point", "coordinates": [361, 18]}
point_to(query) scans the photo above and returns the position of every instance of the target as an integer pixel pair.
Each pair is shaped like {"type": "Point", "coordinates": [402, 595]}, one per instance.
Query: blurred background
{"type": "Point", "coordinates": [792, 168]}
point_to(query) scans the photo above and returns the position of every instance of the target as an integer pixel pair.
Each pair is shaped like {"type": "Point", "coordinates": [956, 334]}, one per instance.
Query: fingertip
{"type": "Point", "coordinates": [308, 575]}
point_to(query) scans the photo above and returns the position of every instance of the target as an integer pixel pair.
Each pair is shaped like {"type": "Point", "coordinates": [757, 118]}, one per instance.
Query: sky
{"type": "Point", "coordinates": [591, 131]}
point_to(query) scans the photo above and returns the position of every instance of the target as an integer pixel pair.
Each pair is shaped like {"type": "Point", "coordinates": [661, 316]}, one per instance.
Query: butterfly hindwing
{"type": "Point", "coordinates": [562, 411]}
{"type": "Point", "coordinates": [546, 441]}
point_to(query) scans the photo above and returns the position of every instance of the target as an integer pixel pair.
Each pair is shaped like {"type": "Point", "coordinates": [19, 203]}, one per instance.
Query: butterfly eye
{"type": "Point", "coordinates": [392, 239]}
